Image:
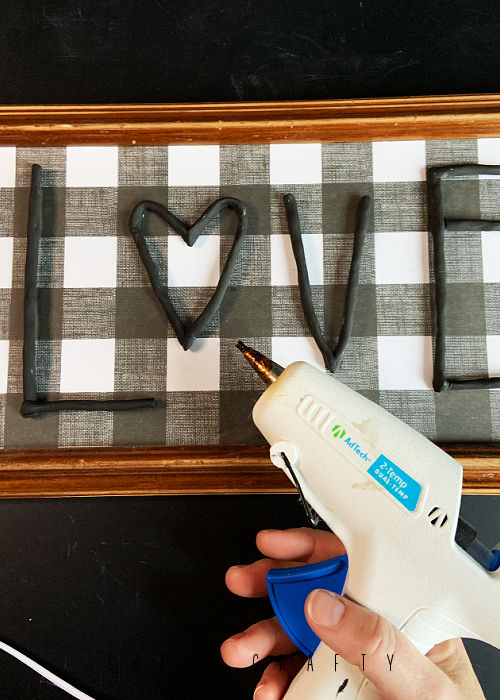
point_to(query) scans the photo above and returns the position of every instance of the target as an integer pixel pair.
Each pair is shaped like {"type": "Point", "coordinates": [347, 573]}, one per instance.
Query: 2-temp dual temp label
{"type": "Point", "coordinates": [395, 480]}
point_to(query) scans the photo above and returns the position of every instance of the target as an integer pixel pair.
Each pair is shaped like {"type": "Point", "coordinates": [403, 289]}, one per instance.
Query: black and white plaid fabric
{"type": "Point", "coordinates": [102, 333]}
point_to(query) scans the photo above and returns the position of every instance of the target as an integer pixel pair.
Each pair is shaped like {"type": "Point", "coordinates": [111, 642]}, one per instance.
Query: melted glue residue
{"type": "Point", "coordinates": [368, 428]}
{"type": "Point", "coordinates": [365, 485]}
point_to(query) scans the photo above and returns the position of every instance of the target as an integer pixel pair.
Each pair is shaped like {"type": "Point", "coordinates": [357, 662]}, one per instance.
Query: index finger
{"type": "Point", "coordinates": [301, 544]}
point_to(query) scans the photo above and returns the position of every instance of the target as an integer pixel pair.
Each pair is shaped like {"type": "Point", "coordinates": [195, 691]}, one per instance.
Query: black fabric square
{"type": "Point", "coordinates": [237, 426]}
{"type": "Point", "coordinates": [26, 433]}
{"type": "Point", "coordinates": [139, 314]}
{"type": "Point", "coordinates": [256, 200]}
{"type": "Point", "coordinates": [246, 311]}
{"type": "Point", "coordinates": [365, 317]}
{"type": "Point", "coordinates": [462, 413]}
{"type": "Point", "coordinates": [340, 201]}
{"type": "Point", "coordinates": [465, 309]}
{"type": "Point", "coordinates": [144, 427]}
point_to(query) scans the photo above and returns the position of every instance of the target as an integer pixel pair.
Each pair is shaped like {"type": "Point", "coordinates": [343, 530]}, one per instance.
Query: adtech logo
{"type": "Point", "coordinates": [339, 433]}
{"type": "Point", "coordinates": [355, 447]}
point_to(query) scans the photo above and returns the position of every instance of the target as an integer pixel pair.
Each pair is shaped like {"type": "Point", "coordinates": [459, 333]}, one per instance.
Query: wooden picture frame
{"type": "Point", "coordinates": [239, 469]}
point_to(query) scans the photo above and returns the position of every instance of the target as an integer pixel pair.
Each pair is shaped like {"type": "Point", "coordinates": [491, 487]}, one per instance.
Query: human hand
{"type": "Point", "coordinates": [445, 673]}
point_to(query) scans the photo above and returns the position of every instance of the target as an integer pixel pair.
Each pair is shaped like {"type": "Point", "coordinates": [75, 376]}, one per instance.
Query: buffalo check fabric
{"type": "Point", "coordinates": [103, 334]}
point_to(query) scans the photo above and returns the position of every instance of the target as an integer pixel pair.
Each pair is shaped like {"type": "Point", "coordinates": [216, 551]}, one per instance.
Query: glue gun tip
{"type": "Point", "coordinates": [241, 346]}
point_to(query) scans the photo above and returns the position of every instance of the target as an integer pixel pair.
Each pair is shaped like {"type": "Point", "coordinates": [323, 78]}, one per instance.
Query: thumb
{"type": "Point", "coordinates": [384, 655]}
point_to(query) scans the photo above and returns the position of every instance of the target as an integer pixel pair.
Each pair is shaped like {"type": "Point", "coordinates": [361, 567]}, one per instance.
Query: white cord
{"type": "Point", "coordinates": [43, 672]}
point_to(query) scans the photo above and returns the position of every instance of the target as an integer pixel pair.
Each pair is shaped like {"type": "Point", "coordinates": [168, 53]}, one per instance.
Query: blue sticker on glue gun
{"type": "Point", "coordinates": [404, 489]}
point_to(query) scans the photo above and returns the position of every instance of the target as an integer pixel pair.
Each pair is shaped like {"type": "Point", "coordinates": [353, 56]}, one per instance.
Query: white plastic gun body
{"type": "Point", "coordinates": [374, 481]}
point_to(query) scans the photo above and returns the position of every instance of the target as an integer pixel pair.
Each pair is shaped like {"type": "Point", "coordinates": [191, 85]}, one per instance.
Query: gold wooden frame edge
{"type": "Point", "coordinates": [185, 470]}
{"type": "Point", "coordinates": [436, 117]}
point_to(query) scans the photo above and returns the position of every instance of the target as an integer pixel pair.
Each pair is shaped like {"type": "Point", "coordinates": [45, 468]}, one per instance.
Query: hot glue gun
{"type": "Point", "coordinates": [393, 498]}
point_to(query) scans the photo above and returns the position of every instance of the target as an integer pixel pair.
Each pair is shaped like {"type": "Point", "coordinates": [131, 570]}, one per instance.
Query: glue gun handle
{"type": "Point", "coordinates": [320, 680]}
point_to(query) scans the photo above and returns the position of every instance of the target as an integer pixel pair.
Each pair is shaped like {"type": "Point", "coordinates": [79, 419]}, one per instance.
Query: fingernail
{"type": "Point", "coordinates": [265, 532]}
{"type": "Point", "coordinates": [235, 637]}
{"type": "Point", "coordinates": [257, 689]}
{"type": "Point", "coordinates": [325, 608]}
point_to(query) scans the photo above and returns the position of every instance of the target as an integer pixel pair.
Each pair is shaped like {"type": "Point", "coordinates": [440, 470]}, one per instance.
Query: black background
{"type": "Point", "coordinates": [125, 597]}
{"type": "Point", "coordinates": [55, 51]}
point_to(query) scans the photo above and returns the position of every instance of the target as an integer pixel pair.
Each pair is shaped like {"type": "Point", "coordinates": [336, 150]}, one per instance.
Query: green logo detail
{"type": "Point", "coordinates": [338, 432]}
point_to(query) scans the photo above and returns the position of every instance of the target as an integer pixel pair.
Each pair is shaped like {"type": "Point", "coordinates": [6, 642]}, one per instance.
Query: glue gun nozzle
{"type": "Point", "coordinates": [267, 370]}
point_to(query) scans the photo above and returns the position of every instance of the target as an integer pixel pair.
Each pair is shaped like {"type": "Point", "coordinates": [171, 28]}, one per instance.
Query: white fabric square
{"type": "Point", "coordinates": [87, 366]}
{"type": "Point", "coordinates": [398, 161]}
{"type": "Point", "coordinates": [401, 257]}
{"type": "Point", "coordinates": [405, 362]}
{"type": "Point", "coordinates": [193, 165]}
{"type": "Point", "coordinates": [286, 350]}
{"type": "Point", "coordinates": [7, 166]}
{"type": "Point", "coordinates": [295, 163]}
{"type": "Point", "coordinates": [4, 365]}
{"type": "Point", "coordinates": [92, 166]}
{"type": "Point", "coordinates": [283, 267]}
{"type": "Point", "coordinates": [491, 256]}
{"type": "Point", "coordinates": [196, 369]}
{"type": "Point", "coordinates": [90, 261]}
{"type": "Point", "coordinates": [197, 266]}
{"type": "Point", "coordinates": [493, 350]}
{"type": "Point", "coordinates": [488, 151]}
{"type": "Point", "coordinates": [6, 253]}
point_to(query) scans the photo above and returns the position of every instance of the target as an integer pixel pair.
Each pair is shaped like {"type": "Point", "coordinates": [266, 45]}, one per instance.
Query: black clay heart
{"type": "Point", "coordinates": [190, 234]}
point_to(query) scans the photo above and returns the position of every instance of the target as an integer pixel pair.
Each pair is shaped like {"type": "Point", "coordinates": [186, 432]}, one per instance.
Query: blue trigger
{"type": "Point", "coordinates": [289, 588]}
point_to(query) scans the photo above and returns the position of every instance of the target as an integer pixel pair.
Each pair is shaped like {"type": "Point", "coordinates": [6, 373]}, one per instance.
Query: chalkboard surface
{"type": "Point", "coordinates": [126, 597]}
{"type": "Point", "coordinates": [182, 50]}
